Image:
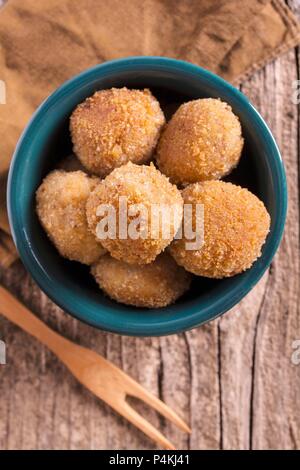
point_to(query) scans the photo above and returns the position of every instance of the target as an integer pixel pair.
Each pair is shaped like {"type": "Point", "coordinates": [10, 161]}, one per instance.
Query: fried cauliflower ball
{"type": "Point", "coordinates": [236, 224]}
{"type": "Point", "coordinates": [116, 126]}
{"type": "Point", "coordinates": [154, 285]}
{"type": "Point", "coordinates": [60, 205]}
{"type": "Point", "coordinates": [202, 141]}
{"type": "Point", "coordinates": [148, 212]}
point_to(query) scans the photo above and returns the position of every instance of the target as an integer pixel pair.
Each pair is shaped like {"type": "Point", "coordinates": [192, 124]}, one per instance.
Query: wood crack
{"type": "Point", "coordinates": [160, 381]}
{"type": "Point", "coordinates": [220, 385]}
{"type": "Point", "coordinates": [253, 369]}
{"type": "Point", "coordinates": [189, 358]}
{"type": "Point", "coordinates": [297, 52]}
{"type": "Point", "coordinates": [160, 373]}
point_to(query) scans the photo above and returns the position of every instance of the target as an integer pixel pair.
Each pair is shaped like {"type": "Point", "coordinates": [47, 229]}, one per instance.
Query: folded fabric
{"type": "Point", "coordinates": [45, 43]}
{"type": "Point", "coordinates": [271, 33]}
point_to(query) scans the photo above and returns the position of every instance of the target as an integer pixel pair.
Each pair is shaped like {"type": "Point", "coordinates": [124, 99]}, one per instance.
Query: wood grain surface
{"type": "Point", "coordinates": [233, 380]}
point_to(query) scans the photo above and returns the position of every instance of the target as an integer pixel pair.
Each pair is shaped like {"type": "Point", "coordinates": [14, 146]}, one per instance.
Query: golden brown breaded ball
{"type": "Point", "coordinates": [116, 126]}
{"type": "Point", "coordinates": [145, 229]}
{"type": "Point", "coordinates": [60, 205]}
{"type": "Point", "coordinates": [236, 224]}
{"type": "Point", "coordinates": [154, 285]}
{"type": "Point", "coordinates": [202, 141]}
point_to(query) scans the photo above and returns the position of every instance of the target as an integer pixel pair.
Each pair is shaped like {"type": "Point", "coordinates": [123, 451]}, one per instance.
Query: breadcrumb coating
{"type": "Point", "coordinates": [60, 205]}
{"type": "Point", "coordinates": [236, 224]}
{"type": "Point", "coordinates": [202, 141]}
{"type": "Point", "coordinates": [146, 186]}
{"type": "Point", "coordinates": [154, 285]}
{"type": "Point", "coordinates": [115, 126]}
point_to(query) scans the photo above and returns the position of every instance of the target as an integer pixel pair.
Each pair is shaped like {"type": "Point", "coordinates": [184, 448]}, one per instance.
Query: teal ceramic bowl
{"type": "Point", "coordinates": [46, 139]}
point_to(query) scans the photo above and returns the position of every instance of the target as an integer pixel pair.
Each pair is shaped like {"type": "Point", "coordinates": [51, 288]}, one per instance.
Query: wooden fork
{"type": "Point", "coordinates": [96, 373]}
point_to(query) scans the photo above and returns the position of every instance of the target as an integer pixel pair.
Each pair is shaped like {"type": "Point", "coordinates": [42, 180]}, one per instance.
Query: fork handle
{"type": "Point", "coordinates": [17, 313]}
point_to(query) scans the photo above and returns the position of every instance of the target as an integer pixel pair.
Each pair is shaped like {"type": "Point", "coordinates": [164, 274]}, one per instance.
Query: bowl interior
{"type": "Point", "coordinates": [47, 139]}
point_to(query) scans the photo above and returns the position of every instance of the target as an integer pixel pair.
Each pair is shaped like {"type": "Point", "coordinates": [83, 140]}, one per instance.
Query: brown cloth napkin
{"type": "Point", "coordinates": [44, 43]}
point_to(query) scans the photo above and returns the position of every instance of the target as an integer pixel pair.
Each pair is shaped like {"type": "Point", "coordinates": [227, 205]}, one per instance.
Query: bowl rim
{"type": "Point", "coordinates": [170, 326]}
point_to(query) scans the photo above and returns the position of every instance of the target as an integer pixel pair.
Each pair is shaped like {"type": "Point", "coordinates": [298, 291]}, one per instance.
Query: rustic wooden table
{"type": "Point", "coordinates": [233, 380]}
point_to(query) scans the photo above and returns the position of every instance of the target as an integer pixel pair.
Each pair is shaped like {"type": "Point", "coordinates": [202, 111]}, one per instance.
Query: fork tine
{"type": "Point", "coordinates": [137, 391]}
{"type": "Point", "coordinates": [124, 409]}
